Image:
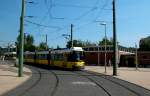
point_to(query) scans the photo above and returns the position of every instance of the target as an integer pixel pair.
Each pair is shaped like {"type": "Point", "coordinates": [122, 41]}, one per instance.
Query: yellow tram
{"type": "Point", "coordinates": [71, 58]}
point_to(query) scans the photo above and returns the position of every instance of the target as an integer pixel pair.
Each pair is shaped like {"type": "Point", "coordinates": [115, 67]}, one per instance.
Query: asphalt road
{"type": "Point", "coordinates": [56, 82]}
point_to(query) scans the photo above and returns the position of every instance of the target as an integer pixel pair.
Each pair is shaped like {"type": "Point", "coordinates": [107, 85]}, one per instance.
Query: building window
{"type": "Point", "coordinates": [86, 49]}
{"type": "Point", "coordinates": [91, 49]}
{"type": "Point", "coordinates": [144, 57]}
{"type": "Point", "coordinates": [96, 48]}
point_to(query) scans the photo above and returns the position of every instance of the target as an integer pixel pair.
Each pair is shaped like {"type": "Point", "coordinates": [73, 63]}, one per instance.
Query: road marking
{"type": "Point", "coordinates": [83, 83]}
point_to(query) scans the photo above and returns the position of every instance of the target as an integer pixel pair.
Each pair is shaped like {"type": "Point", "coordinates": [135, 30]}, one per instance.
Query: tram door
{"type": "Point", "coordinates": [64, 56]}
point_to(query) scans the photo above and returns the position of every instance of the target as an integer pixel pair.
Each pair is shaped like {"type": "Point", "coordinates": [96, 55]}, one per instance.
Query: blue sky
{"type": "Point", "coordinates": [132, 20]}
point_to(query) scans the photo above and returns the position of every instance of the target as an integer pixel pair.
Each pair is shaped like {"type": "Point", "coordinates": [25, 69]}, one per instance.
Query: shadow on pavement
{"type": "Point", "coordinates": [22, 87]}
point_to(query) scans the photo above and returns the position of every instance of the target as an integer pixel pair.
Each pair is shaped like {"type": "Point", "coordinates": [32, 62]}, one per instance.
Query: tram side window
{"type": "Point", "coordinates": [61, 57]}
{"type": "Point", "coordinates": [40, 56]}
{"type": "Point", "coordinates": [37, 56]}
{"type": "Point", "coordinates": [26, 56]}
{"type": "Point", "coordinates": [52, 56]}
{"type": "Point", "coordinates": [111, 48]}
{"type": "Point", "coordinates": [48, 57]}
{"type": "Point", "coordinates": [107, 48]}
{"type": "Point", "coordinates": [82, 55]}
{"type": "Point", "coordinates": [31, 56]}
{"type": "Point", "coordinates": [57, 56]}
{"type": "Point", "coordinates": [103, 48]}
{"type": "Point", "coordinates": [43, 56]}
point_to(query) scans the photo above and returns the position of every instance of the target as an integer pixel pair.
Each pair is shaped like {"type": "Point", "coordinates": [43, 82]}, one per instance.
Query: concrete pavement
{"type": "Point", "coordinates": [9, 76]}
{"type": "Point", "coordinates": [139, 77]}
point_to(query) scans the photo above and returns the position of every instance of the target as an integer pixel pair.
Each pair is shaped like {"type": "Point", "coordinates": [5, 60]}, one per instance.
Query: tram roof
{"type": "Point", "coordinates": [76, 48]}
{"type": "Point", "coordinates": [28, 52]}
{"type": "Point", "coordinates": [8, 53]}
{"type": "Point", "coordinates": [42, 52]}
{"type": "Point", "coordinates": [67, 50]}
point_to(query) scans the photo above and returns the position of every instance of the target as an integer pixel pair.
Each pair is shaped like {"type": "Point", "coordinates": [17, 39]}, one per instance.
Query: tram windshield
{"type": "Point", "coordinates": [76, 56]}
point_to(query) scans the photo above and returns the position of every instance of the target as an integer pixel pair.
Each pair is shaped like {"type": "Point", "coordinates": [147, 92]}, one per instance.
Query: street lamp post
{"type": "Point", "coordinates": [104, 24]}
{"type": "Point", "coordinates": [46, 42]}
{"type": "Point", "coordinates": [98, 55]}
{"type": "Point", "coordinates": [71, 37]}
{"type": "Point", "coordinates": [136, 57]}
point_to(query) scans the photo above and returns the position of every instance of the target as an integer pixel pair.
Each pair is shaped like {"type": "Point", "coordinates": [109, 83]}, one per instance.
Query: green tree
{"type": "Point", "coordinates": [58, 47]}
{"type": "Point", "coordinates": [28, 43]}
{"type": "Point", "coordinates": [88, 43]}
{"type": "Point", "coordinates": [29, 47]}
{"type": "Point", "coordinates": [0, 51]}
{"type": "Point", "coordinates": [80, 43]}
{"type": "Point", "coordinates": [76, 43]}
{"type": "Point", "coordinates": [108, 42]}
{"type": "Point", "coordinates": [29, 40]}
{"type": "Point", "coordinates": [144, 44]}
{"type": "Point", "coordinates": [42, 46]}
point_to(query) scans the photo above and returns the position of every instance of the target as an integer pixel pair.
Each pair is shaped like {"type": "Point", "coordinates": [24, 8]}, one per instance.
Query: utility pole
{"type": "Point", "coordinates": [104, 24]}
{"type": "Point", "coordinates": [46, 43]}
{"type": "Point", "coordinates": [136, 57]}
{"type": "Point", "coordinates": [8, 48]}
{"type": "Point", "coordinates": [98, 55]}
{"type": "Point", "coordinates": [20, 71]}
{"type": "Point", "coordinates": [115, 53]}
{"type": "Point", "coordinates": [71, 35]}
{"type": "Point", "coordinates": [105, 50]}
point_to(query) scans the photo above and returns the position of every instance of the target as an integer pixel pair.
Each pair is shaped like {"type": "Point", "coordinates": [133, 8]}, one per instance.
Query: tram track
{"type": "Point", "coordinates": [40, 77]}
{"type": "Point", "coordinates": [115, 82]}
{"type": "Point", "coordinates": [123, 86]}
{"type": "Point", "coordinates": [57, 74]}
{"type": "Point", "coordinates": [34, 84]}
{"type": "Point", "coordinates": [56, 85]}
{"type": "Point", "coordinates": [89, 77]}
{"type": "Point", "coordinates": [61, 81]}
{"type": "Point", "coordinates": [95, 82]}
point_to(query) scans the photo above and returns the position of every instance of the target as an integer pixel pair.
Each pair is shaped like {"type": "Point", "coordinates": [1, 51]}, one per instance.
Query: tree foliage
{"type": "Point", "coordinates": [58, 47]}
{"type": "Point", "coordinates": [108, 42]}
{"type": "Point", "coordinates": [29, 40]}
{"type": "Point", "coordinates": [42, 46]}
{"type": "Point", "coordinates": [79, 43]}
{"type": "Point", "coordinates": [28, 43]}
{"type": "Point", "coordinates": [88, 43]}
{"type": "Point", "coordinates": [29, 47]}
{"type": "Point", "coordinates": [144, 44]}
{"type": "Point", "coordinates": [0, 51]}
